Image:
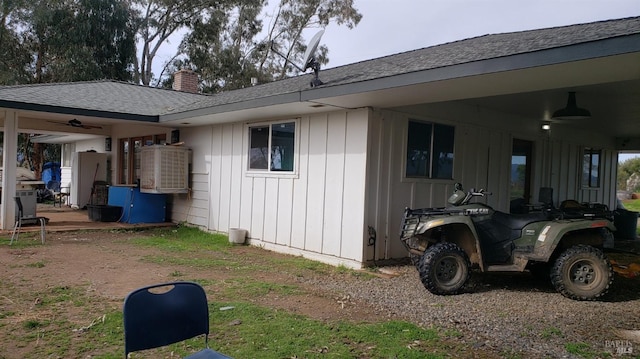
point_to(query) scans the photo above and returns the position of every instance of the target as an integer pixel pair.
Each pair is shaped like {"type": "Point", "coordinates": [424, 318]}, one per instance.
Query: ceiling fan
{"type": "Point", "coordinates": [77, 124]}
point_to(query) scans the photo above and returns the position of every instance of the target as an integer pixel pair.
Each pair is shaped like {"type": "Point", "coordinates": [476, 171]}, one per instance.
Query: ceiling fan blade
{"type": "Point", "coordinates": [59, 123]}
{"type": "Point", "coordinates": [77, 124]}
{"type": "Point", "coordinates": [89, 127]}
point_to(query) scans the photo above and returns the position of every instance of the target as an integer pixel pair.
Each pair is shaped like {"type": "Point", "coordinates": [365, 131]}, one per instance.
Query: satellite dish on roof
{"type": "Point", "coordinates": [310, 54]}
{"type": "Point", "coordinates": [310, 60]}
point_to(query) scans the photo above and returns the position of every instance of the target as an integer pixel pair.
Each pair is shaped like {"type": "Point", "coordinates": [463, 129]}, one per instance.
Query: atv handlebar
{"type": "Point", "coordinates": [480, 193]}
{"type": "Point", "coordinates": [473, 193]}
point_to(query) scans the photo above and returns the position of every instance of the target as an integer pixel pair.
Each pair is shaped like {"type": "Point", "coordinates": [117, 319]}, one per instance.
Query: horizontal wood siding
{"type": "Point", "coordinates": [193, 207]}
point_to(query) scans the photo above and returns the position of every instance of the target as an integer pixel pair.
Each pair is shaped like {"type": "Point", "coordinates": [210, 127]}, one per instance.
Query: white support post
{"type": "Point", "coordinates": [9, 160]}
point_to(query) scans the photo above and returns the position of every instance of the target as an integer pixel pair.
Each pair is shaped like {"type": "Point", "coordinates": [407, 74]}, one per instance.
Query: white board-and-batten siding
{"type": "Point", "coordinates": [483, 146]}
{"type": "Point", "coordinates": [349, 176]}
{"type": "Point", "coordinates": [317, 212]}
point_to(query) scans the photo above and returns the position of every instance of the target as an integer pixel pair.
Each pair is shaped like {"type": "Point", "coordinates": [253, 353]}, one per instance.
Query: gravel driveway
{"type": "Point", "coordinates": [514, 315]}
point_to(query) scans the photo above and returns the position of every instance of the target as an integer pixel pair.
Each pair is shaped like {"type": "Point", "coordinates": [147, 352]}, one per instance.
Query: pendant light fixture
{"type": "Point", "coordinates": [572, 111]}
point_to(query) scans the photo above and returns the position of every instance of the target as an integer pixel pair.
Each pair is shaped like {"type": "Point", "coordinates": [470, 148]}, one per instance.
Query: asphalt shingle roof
{"type": "Point", "coordinates": [465, 51]}
{"type": "Point", "coordinates": [107, 96]}
{"type": "Point", "coordinates": [124, 98]}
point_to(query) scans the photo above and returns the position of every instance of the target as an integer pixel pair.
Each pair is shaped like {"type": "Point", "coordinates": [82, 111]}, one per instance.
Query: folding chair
{"type": "Point", "coordinates": [21, 217]}
{"type": "Point", "coordinates": [154, 318]}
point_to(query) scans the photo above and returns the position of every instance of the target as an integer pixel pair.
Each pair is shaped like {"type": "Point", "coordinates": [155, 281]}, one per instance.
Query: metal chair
{"type": "Point", "coordinates": [155, 317]}
{"type": "Point", "coordinates": [21, 217]}
{"type": "Point", "coordinates": [56, 191]}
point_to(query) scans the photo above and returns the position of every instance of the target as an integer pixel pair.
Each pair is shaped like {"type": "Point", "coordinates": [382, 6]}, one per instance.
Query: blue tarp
{"type": "Point", "coordinates": [51, 172]}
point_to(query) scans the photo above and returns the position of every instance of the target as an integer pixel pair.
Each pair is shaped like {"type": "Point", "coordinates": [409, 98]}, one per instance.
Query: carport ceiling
{"type": "Point", "coordinates": [615, 107]}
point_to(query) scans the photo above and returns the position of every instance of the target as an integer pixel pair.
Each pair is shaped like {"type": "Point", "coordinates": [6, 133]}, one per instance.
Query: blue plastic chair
{"type": "Point", "coordinates": [167, 313]}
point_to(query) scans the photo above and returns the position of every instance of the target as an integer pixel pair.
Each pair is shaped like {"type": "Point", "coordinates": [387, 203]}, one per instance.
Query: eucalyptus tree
{"type": "Point", "coordinates": [78, 40]}
{"type": "Point", "coordinates": [228, 50]}
{"type": "Point", "coordinates": [158, 20]}
{"type": "Point", "coordinates": [63, 41]}
{"type": "Point", "coordinates": [289, 21]}
{"type": "Point", "coordinates": [14, 57]}
{"type": "Point", "coordinates": [219, 46]}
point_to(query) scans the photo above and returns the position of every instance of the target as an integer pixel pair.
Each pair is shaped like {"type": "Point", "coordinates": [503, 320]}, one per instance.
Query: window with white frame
{"type": "Point", "coordinates": [429, 150]}
{"type": "Point", "coordinates": [272, 147]}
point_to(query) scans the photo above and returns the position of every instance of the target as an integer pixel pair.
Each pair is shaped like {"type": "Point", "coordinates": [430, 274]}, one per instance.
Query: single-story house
{"type": "Point", "coordinates": [326, 171]}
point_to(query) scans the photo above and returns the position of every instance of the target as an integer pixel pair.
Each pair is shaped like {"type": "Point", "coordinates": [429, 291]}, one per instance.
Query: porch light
{"type": "Point", "coordinates": [572, 111]}
{"type": "Point", "coordinates": [546, 126]}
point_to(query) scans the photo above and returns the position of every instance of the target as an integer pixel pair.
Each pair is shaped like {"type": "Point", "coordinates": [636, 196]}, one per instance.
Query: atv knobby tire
{"type": "Point", "coordinates": [444, 268]}
{"type": "Point", "coordinates": [415, 259]}
{"type": "Point", "coordinates": [582, 272]}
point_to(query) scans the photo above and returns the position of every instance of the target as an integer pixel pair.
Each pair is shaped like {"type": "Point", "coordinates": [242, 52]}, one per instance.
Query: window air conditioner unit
{"type": "Point", "coordinates": [164, 169]}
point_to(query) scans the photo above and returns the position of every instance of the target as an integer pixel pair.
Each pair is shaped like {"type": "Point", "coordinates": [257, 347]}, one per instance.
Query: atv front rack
{"type": "Point", "coordinates": [413, 217]}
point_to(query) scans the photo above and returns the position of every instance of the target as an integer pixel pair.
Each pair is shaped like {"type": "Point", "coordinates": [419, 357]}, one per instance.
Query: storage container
{"type": "Point", "coordinates": [138, 207]}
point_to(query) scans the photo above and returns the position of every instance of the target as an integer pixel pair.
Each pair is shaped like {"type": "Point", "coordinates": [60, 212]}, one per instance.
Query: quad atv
{"type": "Point", "coordinates": [563, 245]}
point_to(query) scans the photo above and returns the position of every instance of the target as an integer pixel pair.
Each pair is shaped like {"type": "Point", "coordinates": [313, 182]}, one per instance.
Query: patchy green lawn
{"type": "Point", "coordinates": [64, 300]}
{"type": "Point", "coordinates": [632, 204]}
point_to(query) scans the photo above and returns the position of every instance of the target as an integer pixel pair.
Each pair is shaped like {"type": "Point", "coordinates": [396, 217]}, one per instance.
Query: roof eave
{"type": "Point", "coordinates": [566, 54]}
{"type": "Point", "coordinates": [280, 99]}
{"type": "Point", "coordinates": [545, 57]}
{"type": "Point", "coordinates": [77, 111]}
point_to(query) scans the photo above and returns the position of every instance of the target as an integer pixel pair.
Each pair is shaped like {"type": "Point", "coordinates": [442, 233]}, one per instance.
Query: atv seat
{"type": "Point", "coordinates": [498, 233]}
{"type": "Point", "coordinates": [518, 221]}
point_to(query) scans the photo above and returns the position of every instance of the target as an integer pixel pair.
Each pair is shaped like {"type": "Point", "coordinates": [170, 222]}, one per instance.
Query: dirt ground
{"type": "Point", "coordinates": [114, 268]}
{"type": "Point", "coordinates": [110, 268]}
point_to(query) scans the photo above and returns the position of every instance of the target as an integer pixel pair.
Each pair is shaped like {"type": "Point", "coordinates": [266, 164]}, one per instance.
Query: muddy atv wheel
{"type": "Point", "coordinates": [582, 272]}
{"type": "Point", "coordinates": [444, 268]}
{"type": "Point", "coordinates": [415, 259]}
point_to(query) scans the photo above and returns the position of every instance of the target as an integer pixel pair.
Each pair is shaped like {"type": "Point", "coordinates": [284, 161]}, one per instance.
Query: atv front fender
{"type": "Point", "coordinates": [421, 229]}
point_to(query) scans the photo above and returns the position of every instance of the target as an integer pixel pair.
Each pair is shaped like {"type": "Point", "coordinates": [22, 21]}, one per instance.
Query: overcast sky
{"type": "Point", "coordinates": [392, 26]}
